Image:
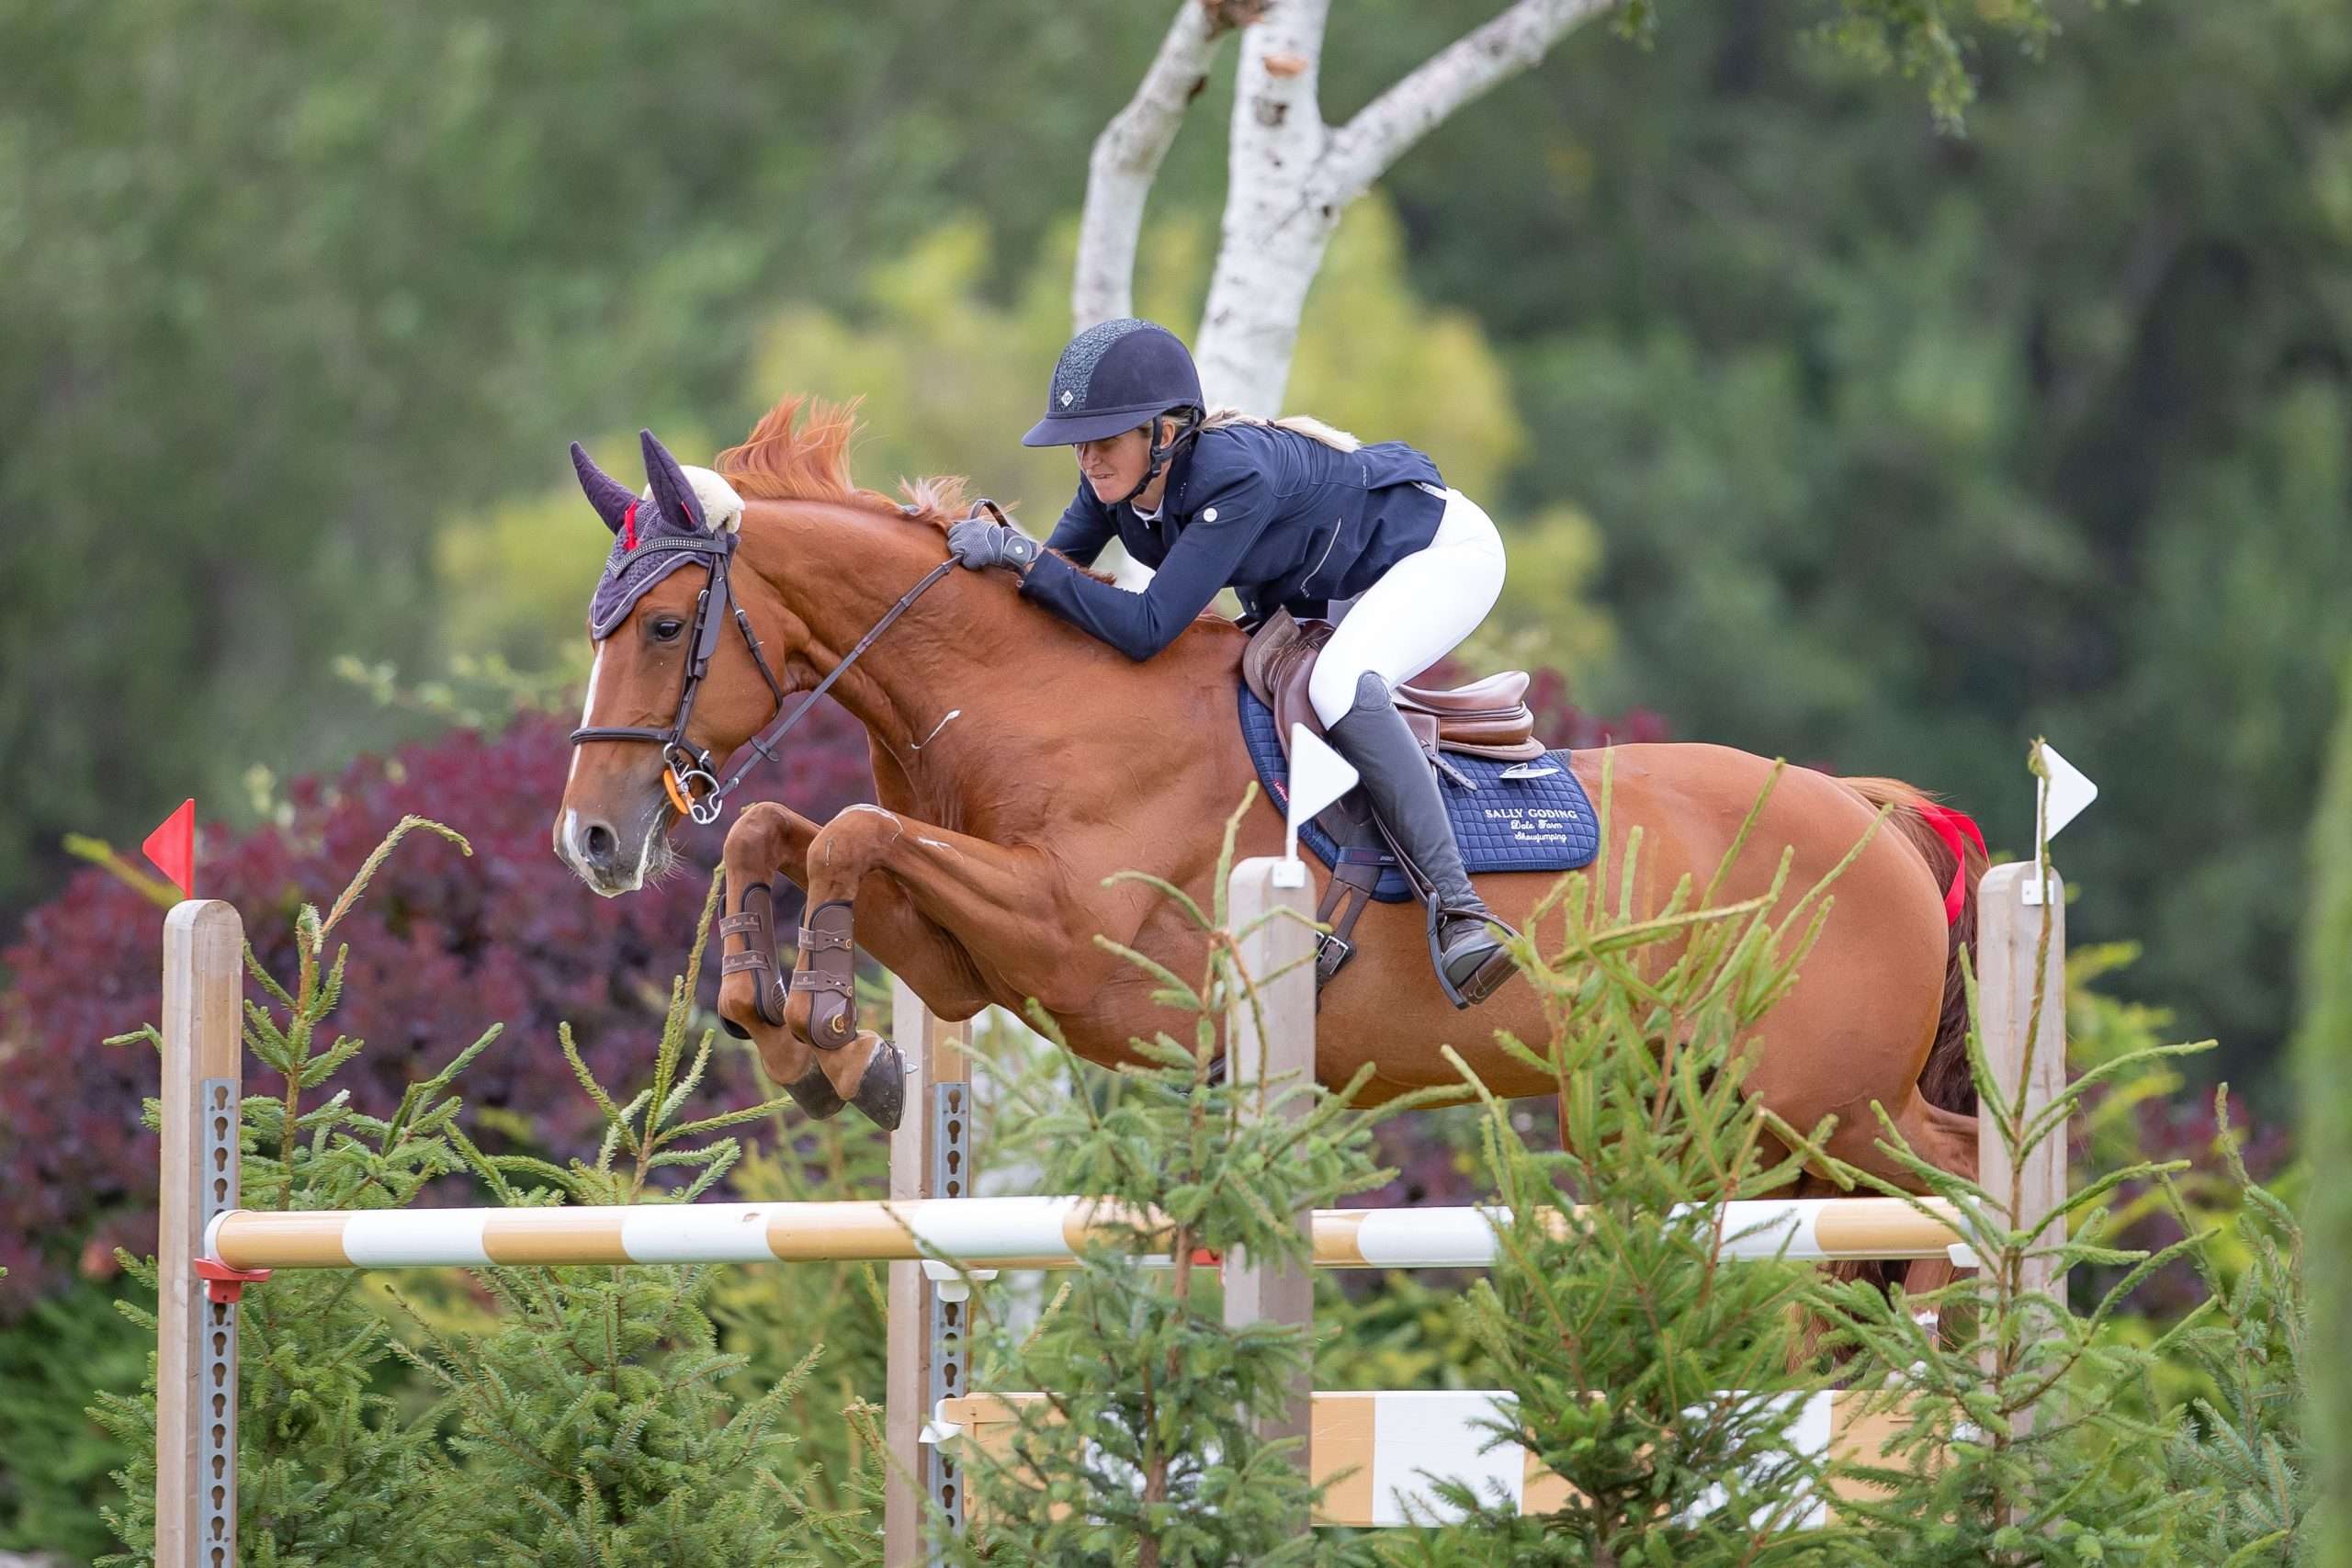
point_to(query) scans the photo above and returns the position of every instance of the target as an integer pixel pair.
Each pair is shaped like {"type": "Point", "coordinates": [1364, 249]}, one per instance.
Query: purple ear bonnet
{"type": "Point", "coordinates": [651, 537]}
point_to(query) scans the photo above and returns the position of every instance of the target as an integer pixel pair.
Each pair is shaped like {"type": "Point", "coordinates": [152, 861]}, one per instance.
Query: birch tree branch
{"type": "Point", "coordinates": [1127, 160]}
{"type": "Point", "coordinates": [1382, 132]}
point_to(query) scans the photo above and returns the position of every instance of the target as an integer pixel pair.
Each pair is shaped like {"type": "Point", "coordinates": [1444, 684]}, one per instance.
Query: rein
{"type": "Point", "coordinates": [688, 762]}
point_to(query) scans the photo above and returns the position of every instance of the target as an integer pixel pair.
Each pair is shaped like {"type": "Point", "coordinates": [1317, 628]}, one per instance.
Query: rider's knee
{"type": "Point", "coordinates": [1331, 688]}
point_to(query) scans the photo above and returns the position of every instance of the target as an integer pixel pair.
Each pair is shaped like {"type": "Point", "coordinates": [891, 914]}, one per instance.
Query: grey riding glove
{"type": "Point", "coordinates": [979, 544]}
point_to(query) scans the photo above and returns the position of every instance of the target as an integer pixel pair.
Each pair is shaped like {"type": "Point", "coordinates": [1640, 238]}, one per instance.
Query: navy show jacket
{"type": "Point", "coordinates": [1279, 518]}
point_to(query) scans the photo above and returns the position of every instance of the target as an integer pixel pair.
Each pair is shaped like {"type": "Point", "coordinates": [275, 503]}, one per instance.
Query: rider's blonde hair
{"type": "Point", "coordinates": [1303, 424]}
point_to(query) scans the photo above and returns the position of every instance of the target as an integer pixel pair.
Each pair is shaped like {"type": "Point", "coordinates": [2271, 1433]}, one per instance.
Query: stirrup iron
{"type": "Point", "coordinates": [1484, 980]}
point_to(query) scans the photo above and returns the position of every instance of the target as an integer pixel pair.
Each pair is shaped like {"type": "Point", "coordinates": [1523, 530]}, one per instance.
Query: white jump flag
{"type": "Point", "coordinates": [1318, 777]}
{"type": "Point", "coordinates": [2065, 792]}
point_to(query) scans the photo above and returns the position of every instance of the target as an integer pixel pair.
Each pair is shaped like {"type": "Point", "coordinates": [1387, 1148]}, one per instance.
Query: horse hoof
{"type": "Point", "coordinates": [813, 1092]}
{"type": "Point", "coordinates": [882, 1091]}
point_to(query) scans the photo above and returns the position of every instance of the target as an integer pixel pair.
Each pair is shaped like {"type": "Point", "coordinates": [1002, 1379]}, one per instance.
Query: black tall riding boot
{"type": "Point", "coordinates": [1403, 791]}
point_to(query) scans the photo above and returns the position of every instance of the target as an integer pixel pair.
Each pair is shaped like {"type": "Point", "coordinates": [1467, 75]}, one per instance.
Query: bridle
{"type": "Point", "coordinates": [686, 764]}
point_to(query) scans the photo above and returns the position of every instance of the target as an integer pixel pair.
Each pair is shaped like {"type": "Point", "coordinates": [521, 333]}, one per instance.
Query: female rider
{"type": "Point", "coordinates": [1289, 514]}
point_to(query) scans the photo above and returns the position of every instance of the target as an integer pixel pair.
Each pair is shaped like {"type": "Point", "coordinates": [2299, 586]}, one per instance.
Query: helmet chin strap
{"type": "Point", "coordinates": [1161, 455]}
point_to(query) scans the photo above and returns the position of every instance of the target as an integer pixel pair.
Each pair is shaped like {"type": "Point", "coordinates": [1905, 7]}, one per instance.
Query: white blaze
{"type": "Point", "coordinates": [587, 707]}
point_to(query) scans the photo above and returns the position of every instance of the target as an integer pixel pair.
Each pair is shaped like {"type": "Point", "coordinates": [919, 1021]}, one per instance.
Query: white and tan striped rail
{"type": "Point", "coordinates": [1376, 1452]}
{"type": "Point", "coordinates": [994, 1233]}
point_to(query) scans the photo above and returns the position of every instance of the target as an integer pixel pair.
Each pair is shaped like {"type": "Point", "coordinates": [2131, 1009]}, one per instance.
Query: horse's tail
{"type": "Point", "coordinates": [1957, 861]}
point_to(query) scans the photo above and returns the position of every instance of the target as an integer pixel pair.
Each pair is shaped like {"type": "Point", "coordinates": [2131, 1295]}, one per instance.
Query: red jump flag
{"type": "Point", "coordinates": [171, 848]}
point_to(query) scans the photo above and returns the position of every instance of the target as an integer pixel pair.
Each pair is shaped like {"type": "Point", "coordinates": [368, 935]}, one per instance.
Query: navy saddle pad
{"type": "Point", "coordinates": [1542, 823]}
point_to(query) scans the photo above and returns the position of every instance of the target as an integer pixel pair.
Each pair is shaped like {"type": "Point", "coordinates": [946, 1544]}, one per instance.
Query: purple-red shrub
{"type": "Point", "coordinates": [442, 947]}
{"type": "Point", "coordinates": [2182, 1126]}
{"type": "Point", "coordinates": [1559, 722]}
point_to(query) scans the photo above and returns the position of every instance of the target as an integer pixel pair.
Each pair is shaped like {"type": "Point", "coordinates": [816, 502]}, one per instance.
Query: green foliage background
{"type": "Point", "coordinates": [1817, 429]}
{"type": "Point", "coordinates": [2320, 1048]}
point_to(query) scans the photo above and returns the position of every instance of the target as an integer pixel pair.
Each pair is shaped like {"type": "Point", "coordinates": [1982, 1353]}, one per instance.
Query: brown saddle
{"type": "Point", "coordinates": [1485, 718]}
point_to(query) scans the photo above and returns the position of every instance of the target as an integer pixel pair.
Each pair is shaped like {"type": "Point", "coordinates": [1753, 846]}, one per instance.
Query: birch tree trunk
{"type": "Point", "coordinates": [1275, 229]}
{"type": "Point", "coordinates": [1290, 176]}
{"type": "Point", "coordinates": [1127, 160]}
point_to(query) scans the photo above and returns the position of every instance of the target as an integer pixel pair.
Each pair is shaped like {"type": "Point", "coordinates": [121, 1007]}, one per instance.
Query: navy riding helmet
{"type": "Point", "coordinates": [1113, 378]}
{"type": "Point", "coordinates": [1116, 377]}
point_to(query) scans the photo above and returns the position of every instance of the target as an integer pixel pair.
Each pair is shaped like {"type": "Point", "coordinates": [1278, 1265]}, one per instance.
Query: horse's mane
{"type": "Point", "coordinates": [784, 459]}
{"type": "Point", "coordinates": [780, 462]}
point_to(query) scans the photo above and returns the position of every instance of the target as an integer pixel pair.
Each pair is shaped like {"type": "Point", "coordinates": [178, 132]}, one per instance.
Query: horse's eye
{"type": "Point", "coordinates": [667, 629]}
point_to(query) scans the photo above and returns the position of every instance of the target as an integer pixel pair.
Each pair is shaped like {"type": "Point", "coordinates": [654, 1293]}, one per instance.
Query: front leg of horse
{"type": "Point", "coordinates": [851, 1066]}
{"type": "Point", "coordinates": [980, 902]}
{"type": "Point", "coordinates": [767, 841]}
{"type": "Point", "coordinates": [799, 1050]}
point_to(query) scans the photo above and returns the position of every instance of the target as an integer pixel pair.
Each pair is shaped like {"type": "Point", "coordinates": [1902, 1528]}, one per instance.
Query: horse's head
{"type": "Point", "coordinates": [673, 686]}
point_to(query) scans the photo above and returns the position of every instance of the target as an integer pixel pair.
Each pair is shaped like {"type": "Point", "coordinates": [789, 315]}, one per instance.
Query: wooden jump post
{"type": "Point", "coordinates": [930, 1211]}
{"type": "Point", "coordinates": [196, 1335]}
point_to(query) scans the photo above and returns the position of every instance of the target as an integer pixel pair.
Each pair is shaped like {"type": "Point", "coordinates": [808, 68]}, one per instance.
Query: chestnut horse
{"type": "Point", "coordinates": [1018, 762]}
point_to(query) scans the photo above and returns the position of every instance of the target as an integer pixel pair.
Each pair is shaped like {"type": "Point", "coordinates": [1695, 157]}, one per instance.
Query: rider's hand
{"type": "Point", "coordinates": [980, 543]}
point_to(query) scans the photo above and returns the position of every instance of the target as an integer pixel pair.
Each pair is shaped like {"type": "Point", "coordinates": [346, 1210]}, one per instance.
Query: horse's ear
{"type": "Point", "coordinates": [671, 493]}
{"type": "Point", "coordinates": [611, 498]}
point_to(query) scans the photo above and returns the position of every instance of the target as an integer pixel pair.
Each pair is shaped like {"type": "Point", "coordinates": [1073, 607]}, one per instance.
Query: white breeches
{"type": "Point", "coordinates": [1417, 614]}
